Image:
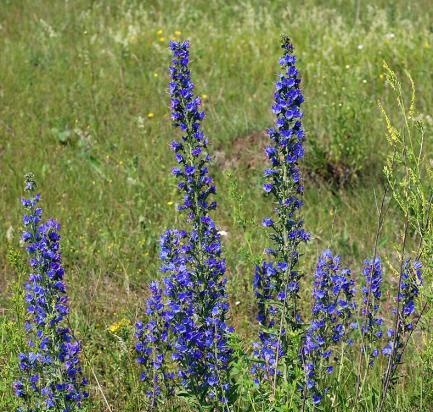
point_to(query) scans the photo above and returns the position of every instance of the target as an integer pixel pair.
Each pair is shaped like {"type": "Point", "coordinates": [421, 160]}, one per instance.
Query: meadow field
{"type": "Point", "coordinates": [84, 105]}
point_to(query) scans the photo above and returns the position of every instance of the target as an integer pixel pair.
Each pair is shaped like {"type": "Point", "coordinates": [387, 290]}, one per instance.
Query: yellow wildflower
{"type": "Point", "coordinates": [150, 115]}
{"type": "Point", "coordinates": [119, 325]}
{"type": "Point", "coordinates": [159, 32]}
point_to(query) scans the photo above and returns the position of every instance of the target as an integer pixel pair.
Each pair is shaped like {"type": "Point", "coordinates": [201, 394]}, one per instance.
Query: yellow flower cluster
{"type": "Point", "coordinates": [123, 323]}
{"type": "Point", "coordinates": [161, 37]}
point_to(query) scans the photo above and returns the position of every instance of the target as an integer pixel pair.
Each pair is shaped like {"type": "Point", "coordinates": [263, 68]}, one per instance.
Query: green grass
{"type": "Point", "coordinates": [84, 105]}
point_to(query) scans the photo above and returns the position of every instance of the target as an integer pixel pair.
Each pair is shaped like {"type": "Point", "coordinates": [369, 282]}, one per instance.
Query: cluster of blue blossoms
{"type": "Point", "coordinates": [276, 282]}
{"type": "Point", "coordinates": [51, 374]}
{"type": "Point", "coordinates": [411, 279]}
{"type": "Point", "coordinates": [153, 345]}
{"type": "Point", "coordinates": [194, 305]}
{"type": "Point", "coordinates": [333, 308]}
{"type": "Point", "coordinates": [371, 322]}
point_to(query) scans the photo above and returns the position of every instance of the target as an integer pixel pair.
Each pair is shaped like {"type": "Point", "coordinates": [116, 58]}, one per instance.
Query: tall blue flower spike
{"type": "Point", "coordinates": [276, 281]}
{"type": "Point", "coordinates": [405, 313]}
{"type": "Point", "coordinates": [371, 322]}
{"type": "Point", "coordinates": [195, 301]}
{"type": "Point", "coordinates": [51, 378]}
{"type": "Point", "coordinates": [333, 308]}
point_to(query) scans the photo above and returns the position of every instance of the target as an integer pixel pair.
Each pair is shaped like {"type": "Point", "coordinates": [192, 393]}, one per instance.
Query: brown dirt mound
{"type": "Point", "coordinates": [245, 152]}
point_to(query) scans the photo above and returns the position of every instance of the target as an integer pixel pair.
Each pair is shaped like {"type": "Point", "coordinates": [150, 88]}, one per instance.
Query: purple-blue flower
{"type": "Point", "coordinates": [153, 345]}
{"type": "Point", "coordinates": [276, 282]}
{"type": "Point", "coordinates": [411, 279]}
{"type": "Point", "coordinates": [191, 314]}
{"type": "Point", "coordinates": [51, 377]}
{"type": "Point", "coordinates": [333, 307]}
{"type": "Point", "coordinates": [371, 322]}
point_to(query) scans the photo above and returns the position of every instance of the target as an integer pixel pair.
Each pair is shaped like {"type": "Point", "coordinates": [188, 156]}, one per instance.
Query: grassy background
{"type": "Point", "coordinates": [84, 105]}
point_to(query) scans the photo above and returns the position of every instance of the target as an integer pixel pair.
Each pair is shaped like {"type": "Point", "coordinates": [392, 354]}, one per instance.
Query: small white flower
{"type": "Point", "coordinates": [48, 29]}
{"type": "Point", "coordinates": [238, 302]}
{"type": "Point", "coordinates": [131, 181]}
{"type": "Point", "coordinates": [140, 122]}
{"type": "Point", "coordinates": [223, 233]}
{"type": "Point", "coordinates": [360, 46]}
{"type": "Point", "coordinates": [10, 234]}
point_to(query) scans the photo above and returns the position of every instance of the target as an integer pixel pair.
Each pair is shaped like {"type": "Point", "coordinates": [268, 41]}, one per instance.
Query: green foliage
{"type": "Point", "coordinates": [407, 168]}
{"type": "Point", "coordinates": [12, 336]}
{"type": "Point", "coordinates": [341, 153]}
